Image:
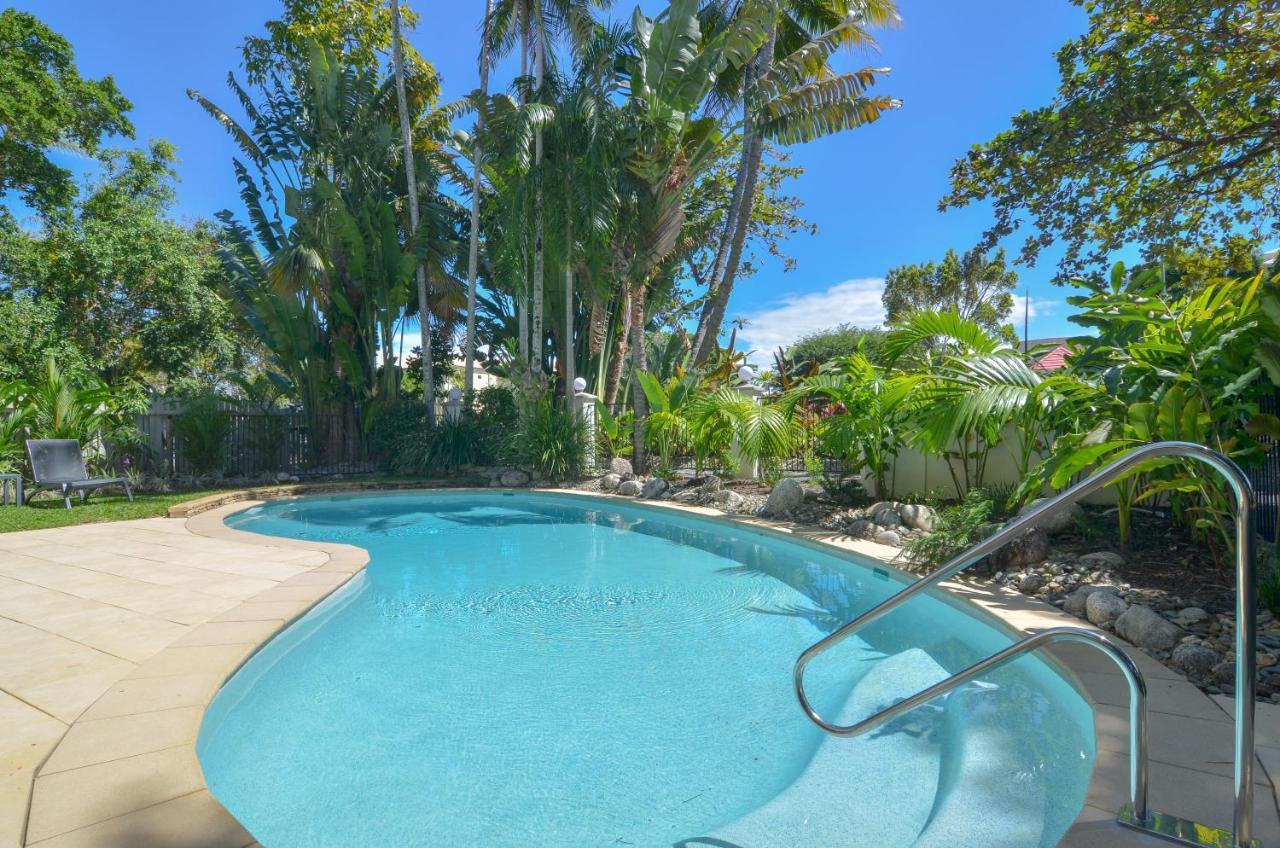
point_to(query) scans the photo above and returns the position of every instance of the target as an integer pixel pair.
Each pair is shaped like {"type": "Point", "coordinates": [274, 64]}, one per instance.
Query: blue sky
{"type": "Point", "coordinates": [962, 70]}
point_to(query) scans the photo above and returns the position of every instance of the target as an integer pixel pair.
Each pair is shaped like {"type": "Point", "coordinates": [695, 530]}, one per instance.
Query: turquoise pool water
{"type": "Point", "coordinates": [538, 670]}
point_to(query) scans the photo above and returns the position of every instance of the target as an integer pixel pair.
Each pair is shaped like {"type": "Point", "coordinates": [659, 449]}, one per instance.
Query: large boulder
{"type": "Point", "coordinates": [1195, 660]}
{"type": "Point", "coordinates": [1029, 548]}
{"type": "Point", "coordinates": [786, 497]}
{"type": "Point", "coordinates": [1075, 602]}
{"type": "Point", "coordinates": [886, 516]}
{"type": "Point", "coordinates": [1146, 628]}
{"type": "Point", "coordinates": [727, 499]}
{"type": "Point", "coordinates": [1190, 617]}
{"type": "Point", "coordinates": [1104, 607]}
{"type": "Point", "coordinates": [917, 517]}
{"type": "Point", "coordinates": [620, 466]}
{"type": "Point", "coordinates": [1102, 560]}
{"type": "Point", "coordinates": [888, 537]}
{"type": "Point", "coordinates": [514, 478]}
{"type": "Point", "coordinates": [609, 482]}
{"type": "Point", "coordinates": [710, 483]}
{"type": "Point", "coordinates": [1067, 518]}
{"type": "Point", "coordinates": [630, 487]}
{"type": "Point", "coordinates": [653, 488]}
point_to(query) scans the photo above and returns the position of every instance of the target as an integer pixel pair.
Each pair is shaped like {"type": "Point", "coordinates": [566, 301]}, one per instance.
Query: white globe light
{"type": "Point", "coordinates": [455, 393]}
{"type": "Point", "coordinates": [579, 384]}
{"type": "Point", "coordinates": [745, 374]}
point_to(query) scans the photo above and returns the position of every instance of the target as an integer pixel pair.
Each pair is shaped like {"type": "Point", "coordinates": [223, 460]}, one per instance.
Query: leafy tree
{"type": "Point", "coordinates": [1163, 130]}
{"type": "Point", "coordinates": [975, 285]}
{"type": "Point", "coordinates": [360, 32]}
{"type": "Point", "coordinates": [113, 284]}
{"type": "Point", "coordinates": [822, 346]}
{"type": "Point", "coordinates": [45, 103]}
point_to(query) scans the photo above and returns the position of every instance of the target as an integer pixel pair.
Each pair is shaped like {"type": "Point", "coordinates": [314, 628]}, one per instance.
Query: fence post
{"type": "Point", "coordinates": [585, 406]}
{"type": "Point", "coordinates": [748, 467]}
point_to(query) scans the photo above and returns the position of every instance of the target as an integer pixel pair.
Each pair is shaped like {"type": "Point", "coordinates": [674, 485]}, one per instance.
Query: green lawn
{"type": "Point", "coordinates": [101, 507]}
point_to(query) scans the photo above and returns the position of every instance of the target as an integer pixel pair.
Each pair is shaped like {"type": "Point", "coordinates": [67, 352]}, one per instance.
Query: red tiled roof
{"type": "Point", "coordinates": [1054, 360]}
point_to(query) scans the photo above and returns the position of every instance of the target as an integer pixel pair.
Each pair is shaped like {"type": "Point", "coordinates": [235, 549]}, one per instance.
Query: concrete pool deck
{"type": "Point", "coordinates": [114, 638]}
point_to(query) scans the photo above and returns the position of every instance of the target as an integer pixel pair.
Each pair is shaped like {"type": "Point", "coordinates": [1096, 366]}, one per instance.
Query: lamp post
{"type": "Point", "coordinates": [748, 466]}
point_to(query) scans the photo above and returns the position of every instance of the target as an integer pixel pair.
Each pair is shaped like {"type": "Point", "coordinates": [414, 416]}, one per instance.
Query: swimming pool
{"type": "Point", "coordinates": [549, 670]}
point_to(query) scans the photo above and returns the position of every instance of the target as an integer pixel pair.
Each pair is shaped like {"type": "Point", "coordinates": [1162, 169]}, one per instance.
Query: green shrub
{"type": "Point", "coordinates": [551, 440]}
{"type": "Point", "coordinates": [955, 529]}
{"type": "Point", "coordinates": [201, 430]}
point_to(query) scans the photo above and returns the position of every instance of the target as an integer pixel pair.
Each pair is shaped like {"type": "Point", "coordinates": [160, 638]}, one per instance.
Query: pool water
{"type": "Point", "coordinates": [540, 670]}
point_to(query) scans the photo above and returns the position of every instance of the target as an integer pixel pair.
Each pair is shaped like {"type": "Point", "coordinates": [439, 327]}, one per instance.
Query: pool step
{"type": "Point", "coordinates": [981, 798]}
{"type": "Point", "coordinates": [809, 812]}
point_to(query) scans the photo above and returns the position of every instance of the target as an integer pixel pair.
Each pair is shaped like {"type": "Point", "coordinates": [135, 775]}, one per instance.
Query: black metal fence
{"type": "Point", "coordinates": [253, 444]}
{"type": "Point", "coordinates": [1265, 476]}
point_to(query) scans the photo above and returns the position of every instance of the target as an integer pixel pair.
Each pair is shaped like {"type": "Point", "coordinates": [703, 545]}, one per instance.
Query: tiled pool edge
{"type": "Point", "coordinates": [166, 802]}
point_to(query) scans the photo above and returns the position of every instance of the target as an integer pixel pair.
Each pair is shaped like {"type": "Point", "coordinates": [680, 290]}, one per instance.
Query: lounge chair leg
{"type": "Point", "coordinates": [128, 492]}
{"type": "Point", "coordinates": [66, 496]}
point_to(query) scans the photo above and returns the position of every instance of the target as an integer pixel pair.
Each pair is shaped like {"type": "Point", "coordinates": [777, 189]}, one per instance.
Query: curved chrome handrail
{"type": "Point", "coordinates": [1137, 698]}
{"type": "Point", "coordinates": [1242, 825]}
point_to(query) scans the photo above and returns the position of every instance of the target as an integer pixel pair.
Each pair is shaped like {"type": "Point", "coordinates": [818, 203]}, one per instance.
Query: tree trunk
{"type": "Point", "coordinates": [473, 256]}
{"type": "Point", "coordinates": [569, 364]}
{"type": "Point", "coordinates": [424, 311]}
{"type": "Point", "coordinates": [639, 362]}
{"type": "Point", "coordinates": [739, 221]}
{"type": "Point", "coordinates": [614, 377]}
{"type": "Point", "coordinates": [538, 341]}
{"type": "Point", "coordinates": [522, 320]}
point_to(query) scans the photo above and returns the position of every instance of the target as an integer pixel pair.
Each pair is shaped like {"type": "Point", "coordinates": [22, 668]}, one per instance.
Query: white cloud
{"type": "Point", "coordinates": [855, 302]}
{"type": "Point", "coordinates": [1039, 308]}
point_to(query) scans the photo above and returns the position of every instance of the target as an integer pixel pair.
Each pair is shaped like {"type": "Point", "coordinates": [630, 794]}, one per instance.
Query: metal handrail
{"type": "Point", "coordinates": [1242, 823]}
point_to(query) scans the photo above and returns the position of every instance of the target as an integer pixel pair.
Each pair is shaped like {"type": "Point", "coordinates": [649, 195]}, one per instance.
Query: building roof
{"type": "Point", "coordinates": [1054, 360]}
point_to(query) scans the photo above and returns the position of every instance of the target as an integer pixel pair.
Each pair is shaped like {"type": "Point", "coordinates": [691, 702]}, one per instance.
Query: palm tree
{"type": "Point", "coordinates": [424, 322]}
{"type": "Point", "coordinates": [473, 254]}
{"type": "Point", "coordinates": [793, 28]}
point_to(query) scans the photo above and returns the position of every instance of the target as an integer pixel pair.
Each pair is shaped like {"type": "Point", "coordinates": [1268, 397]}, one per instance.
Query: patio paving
{"type": "Point", "coordinates": [83, 607]}
{"type": "Point", "coordinates": [115, 637]}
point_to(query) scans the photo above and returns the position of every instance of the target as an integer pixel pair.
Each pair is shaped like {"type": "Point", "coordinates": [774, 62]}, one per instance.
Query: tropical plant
{"type": "Point", "coordinates": [202, 429]}
{"type": "Point", "coordinates": [613, 432]}
{"type": "Point", "coordinates": [955, 529]}
{"type": "Point", "coordinates": [856, 413]}
{"type": "Point", "coordinates": [965, 389]}
{"type": "Point", "coordinates": [551, 440]}
{"type": "Point", "coordinates": [1162, 368]}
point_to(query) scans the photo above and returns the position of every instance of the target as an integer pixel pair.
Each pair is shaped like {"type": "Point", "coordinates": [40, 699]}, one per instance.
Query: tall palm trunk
{"type": "Point", "coordinates": [639, 362]}
{"type": "Point", "coordinates": [522, 320]}
{"type": "Point", "coordinates": [569, 363]}
{"type": "Point", "coordinates": [739, 219]}
{"type": "Point", "coordinates": [613, 379]}
{"type": "Point", "coordinates": [411, 180]}
{"type": "Point", "coordinates": [539, 61]}
{"type": "Point", "coordinates": [473, 256]}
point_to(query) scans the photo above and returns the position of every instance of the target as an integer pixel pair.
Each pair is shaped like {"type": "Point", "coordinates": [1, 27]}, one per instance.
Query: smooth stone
{"type": "Point", "coordinates": [787, 495]}
{"type": "Point", "coordinates": [653, 487]}
{"type": "Point", "coordinates": [1104, 607]}
{"type": "Point", "coordinates": [629, 487]}
{"type": "Point", "coordinates": [1195, 660]}
{"type": "Point", "coordinates": [1068, 518]}
{"type": "Point", "coordinates": [1102, 560]}
{"type": "Point", "coordinates": [1029, 548]}
{"type": "Point", "coordinates": [1146, 628]}
{"type": "Point", "coordinates": [620, 466]}
{"type": "Point", "coordinates": [610, 482]}
{"type": "Point", "coordinates": [514, 478]}
{"type": "Point", "coordinates": [917, 517]}
{"type": "Point", "coordinates": [888, 537]}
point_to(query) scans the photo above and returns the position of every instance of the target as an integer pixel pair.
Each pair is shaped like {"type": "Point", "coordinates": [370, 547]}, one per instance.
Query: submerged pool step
{"type": "Point", "coordinates": [983, 797]}
{"type": "Point", "coordinates": [890, 776]}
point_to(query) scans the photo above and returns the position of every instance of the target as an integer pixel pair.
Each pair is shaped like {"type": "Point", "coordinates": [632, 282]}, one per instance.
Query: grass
{"type": "Point", "coordinates": [44, 513]}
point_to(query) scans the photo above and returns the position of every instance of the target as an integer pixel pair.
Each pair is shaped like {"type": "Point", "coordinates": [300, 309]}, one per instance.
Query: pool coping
{"type": "Point", "coordinates": [170, 805]}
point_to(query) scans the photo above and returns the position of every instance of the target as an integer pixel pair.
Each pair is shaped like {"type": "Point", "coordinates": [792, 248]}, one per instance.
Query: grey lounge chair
{"type": "Point", "coordinates": [59, 464]}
